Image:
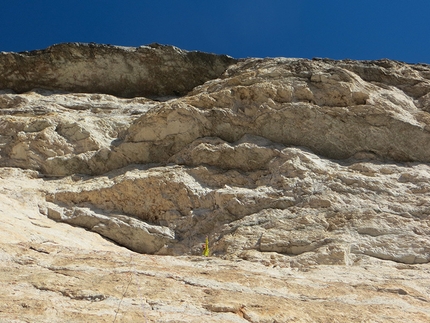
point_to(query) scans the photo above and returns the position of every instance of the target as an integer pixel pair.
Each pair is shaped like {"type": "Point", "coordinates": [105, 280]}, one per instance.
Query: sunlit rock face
{"type": "Point", "coordinates": [153, 70]}
{"type": "Point", "coordinates": [309, 177]}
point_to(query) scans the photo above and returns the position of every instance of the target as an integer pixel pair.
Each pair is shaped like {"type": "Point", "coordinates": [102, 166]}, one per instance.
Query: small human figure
{"type": "Point", "coordinates": [205, 248]}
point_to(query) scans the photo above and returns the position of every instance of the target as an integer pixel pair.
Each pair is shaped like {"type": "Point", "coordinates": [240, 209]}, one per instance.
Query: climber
{"type": "Point", "coordinates": [205, 248]}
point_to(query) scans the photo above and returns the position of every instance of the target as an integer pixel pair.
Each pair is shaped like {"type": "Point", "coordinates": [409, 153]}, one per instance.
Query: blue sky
{"type": "Point", "coordinates": [338, 29]}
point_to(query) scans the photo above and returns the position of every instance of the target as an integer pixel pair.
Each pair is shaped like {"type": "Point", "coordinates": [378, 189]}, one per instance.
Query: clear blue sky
{"type": "Point", "coordinates": [355, 29]}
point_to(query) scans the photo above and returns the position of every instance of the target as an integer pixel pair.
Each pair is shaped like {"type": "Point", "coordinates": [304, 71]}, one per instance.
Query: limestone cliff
{"type": "Point", "coordinates": [310, 178]}
{"type": "Point", "coordinates": [152, 70]}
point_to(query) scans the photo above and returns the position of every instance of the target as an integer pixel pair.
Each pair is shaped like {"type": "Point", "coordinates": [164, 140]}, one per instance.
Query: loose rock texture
{"type": "Point", "coordinates": [310, 178]}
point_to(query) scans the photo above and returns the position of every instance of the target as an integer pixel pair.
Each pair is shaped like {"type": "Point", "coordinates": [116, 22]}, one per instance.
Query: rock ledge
{"type": "Point", "coordinates": [153, 71]}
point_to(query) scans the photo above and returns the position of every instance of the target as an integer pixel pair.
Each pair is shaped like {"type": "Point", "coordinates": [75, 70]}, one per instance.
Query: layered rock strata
{"type": "Point", "coordinates": [316, 169]}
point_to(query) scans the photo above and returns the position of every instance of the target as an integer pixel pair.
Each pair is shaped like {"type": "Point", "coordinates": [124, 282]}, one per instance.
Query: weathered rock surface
{"type": "Point", "coordinates": [153, 70]}
{"type": "Point", "coordinates": [310, 178]}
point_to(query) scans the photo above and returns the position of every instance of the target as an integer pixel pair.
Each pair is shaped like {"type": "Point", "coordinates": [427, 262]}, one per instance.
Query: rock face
{"type": "Point", "coordinates": [153, 70]}
{"type": "Point", "coordinates": [310, 178]}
